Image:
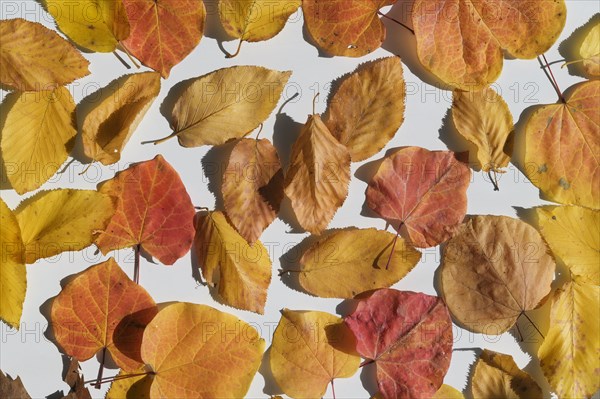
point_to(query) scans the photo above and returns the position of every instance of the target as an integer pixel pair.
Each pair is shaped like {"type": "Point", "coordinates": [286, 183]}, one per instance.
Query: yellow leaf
{"type": "Point", "coordinates": [572, 234]}
{"type": "Point", "coordinates": [336, 267]}
{"type": "Point", "coordinates": [309, 350]}
{"type": "Point", "coordinates": [498, 376]}
{"type": "Point", "coordinates": [570, 353]}
{"type": "Point", "coordinates": [33, 57]}
{"type": "Point", "coordinates": [448, 392]}
{"type": "Point", "coordinates": [242, 272]}
{"type": "Point", "coordinates": [483, 118]}
{"type": "Point", "coordinates": [109, 125]}
{"type": "Point", "coordinates": [318, 176]}
{"type": "Point", "coordinates": [62, 220]}
{"type": "Point", "coordinates": [125, 387]}
{"type": "Point", "coordinates": [37, 136]}
{"type": "Point", "coordinates": [97, 25]}
{"type": "Point", "coordinates": [590, 51]}
{"type": "Point", "coordinates": [13, 277]}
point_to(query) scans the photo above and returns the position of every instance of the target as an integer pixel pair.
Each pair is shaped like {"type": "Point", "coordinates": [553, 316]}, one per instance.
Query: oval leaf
{"type": "Point", "coordinates": [13, 276]}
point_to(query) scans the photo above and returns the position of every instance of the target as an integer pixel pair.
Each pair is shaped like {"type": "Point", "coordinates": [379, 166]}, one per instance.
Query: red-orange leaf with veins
{"type": "Point", "coordinates": [153, 210]}
{"type": "Point", "coordinates": [423, 193]}
{"type": "Point", "coordinates": [102, 308]}
{"type": "Point", "coordinates": [164, 32]}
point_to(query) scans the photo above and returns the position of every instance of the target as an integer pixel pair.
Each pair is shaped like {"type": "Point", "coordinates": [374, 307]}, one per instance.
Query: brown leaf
{"type": "Point", "coordinates": [12, 388]}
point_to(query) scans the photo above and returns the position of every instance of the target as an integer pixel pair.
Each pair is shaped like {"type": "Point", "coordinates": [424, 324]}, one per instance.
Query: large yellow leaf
{"type": "Point", "coordinates": [573, 235]}
{"type": "Point", "coordinates": [97, 25]}
{"type": "Point", "coordinates": [13, 278]}
{"type": "Point", "coordinates": [336, 267]}
{"type": "Point", "coordinates": [448, 392]}
{"type": "Point", "coordinates": [498, 376]}
{"type": "Point", "coordinates": [570, 353]}
{"type": "Point", "coordinates": [309, 350]}
{"type": "Point", "coordinates": [109, 125]}
{"type": "Point", "coordinates": [33, 57]}
{"type": "Point", "coordinates": [37, 136]}
{"type": "Point", "coordinates": [62, 220]}
{"type": "Point", "coordinates": [242, 272]}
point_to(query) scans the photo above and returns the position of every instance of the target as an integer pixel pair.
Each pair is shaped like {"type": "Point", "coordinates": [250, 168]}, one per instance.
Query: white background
{"type": "Point", "coordinates": [28, 354]}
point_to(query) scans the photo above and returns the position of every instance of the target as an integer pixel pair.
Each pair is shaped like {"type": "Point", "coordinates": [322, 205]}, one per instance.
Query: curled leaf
{"type": "Point", "coordinates": [13, 276]}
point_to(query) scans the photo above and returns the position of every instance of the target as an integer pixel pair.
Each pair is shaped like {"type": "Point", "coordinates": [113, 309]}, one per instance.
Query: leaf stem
{"type": "Point", "coordinates": [494, 180]}
{"type": "Point", "coordinates": [332, 389]}
{"type": "Point", "coordinates": [136, 264]}
{"type": "Point", "coordinates": [366, 362]}
{"type": "Point", "coordinates": [117, 378]}
{"type": "Point", "coordinates": [158, 141]}
{"type": "Point", "coordinates": [124, 49]}
{"type": "Point", "coordinates": [396, 21]}
{"type": "Point", "coordinates": [521, 339]}
{"type": "Point", "coordinates": [550, 76]}
{"type": "Point", "coordinates": [387, 265]}
{"type": "Point", "coordinates": [125, 64]}
{"type": "Point", "coordinates": [259, 131]}
{"type": "Point", "coordinates": [87, 167]}
{"type": "Point", "coordinates": [237, 51]}
{"type": "Point", "coordinates": [282, 272]}
{"type": "Point", "coordinates": [314, 102]}
{"type": "Point", "coordinates": [101, 369]}
{"type": "Point", "coordinates": [533, 324]}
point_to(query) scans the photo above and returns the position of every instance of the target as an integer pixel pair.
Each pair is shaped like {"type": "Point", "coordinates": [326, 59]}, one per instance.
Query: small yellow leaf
{"type": "Point", "coordinates": [448, 392]}
{"type": "Point", "coordinates": [309, 350]}
{"type": "Point", "coordinates": [590, 51]}
{"type": "Point", "coordinates": [125, 387]}
{"type": "Point", "coordinates": [37, 136]}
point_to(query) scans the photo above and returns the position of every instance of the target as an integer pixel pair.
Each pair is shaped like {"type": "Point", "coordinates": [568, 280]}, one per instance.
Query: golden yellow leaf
{"type": "Point", "coordinates": [336, 267]}
{"type": "Point", "coordinates": [483, 118]}
{"type": "Point", "coordinates": [37, 136]}
{"type": "Point", "coordinates": [13, 277]}
{"type": "Point", "coordinates": [62, 220]}
{"type": "Point", "coordinates": [125, 387]}
{"type": "Point", "coordinates": [498, 376]}
{"type": "Point", "coordinates": [572, 234]}
{"type": "Point", "coordinates": [448, 392]}
{"type": "Point", "coordinates": [318, 176]}
{"type": "Point", "coordinates": [590, 51]}
{"type": "Point", "coordinates": [368, 107]}
{"type": "Point", "coordinates": [109, 125]}
{"type": "Point", "coordinates": [97, 25]}
{"type": "Point", "coordinates": [33, 57]}
{"type": "Point", "coordinates": [242, 272]}
{"type": "Point", "coordinates": [570, 353]}
{"type": "Point", "coordinates": [309, 350]}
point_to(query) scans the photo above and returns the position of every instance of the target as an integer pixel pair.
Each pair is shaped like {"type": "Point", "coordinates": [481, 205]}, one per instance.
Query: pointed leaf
{"type": "Point", "coordinates": [13, 276]}
{"type": "Point", "coordinates": [12, 388]}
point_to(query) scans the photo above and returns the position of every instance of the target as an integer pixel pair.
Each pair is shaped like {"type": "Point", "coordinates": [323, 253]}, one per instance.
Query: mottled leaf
{"type": "Point", "coordinates": [12, 388]}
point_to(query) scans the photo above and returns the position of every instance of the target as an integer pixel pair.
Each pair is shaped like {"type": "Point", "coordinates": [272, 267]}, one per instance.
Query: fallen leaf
{"type": "Point", "coordinates": [448, 392]}
{"type": "Point", "coordinates": [462, 41]}
{"type": "Point", "coordinates": [198, 352]}
{"type": "Point", "coordinates": [75, 381]}
{"type": "Point", "coordinates": [306, 353]}
{"type": "Point", "coordinates": [572, 234]}
{"type": "Point", "coordinates": [37, 136]}
{"type": "Point", "coordinates": [408, 336]}
{"type": "Point", "coordinates": [97, 25]}
{"type": "Point", "coordinates": [494, 269]}
{"type": "Point", "coordinates": [164, 32]}
{"type": "Point", "coordinates": [483, 118]}
{"type": "Point", "coordinates": [562, 147]}
{"type": "Point", "coordinates": [56, 221]}
{"type": "Point", "coordinates": [33, 57]}
{"type": "Point", "coordinates": [317, 179]}
{"type": "Point", "coordinates": [252, 187]}
{"type": "Point", "coordinates": [590, 51]}
{"type": "Point", "coordinates": [336, 267]}
{"type": "Point", "coordinates": [154, 211]}
{"type": "Point", "coordinates": [131, 384]}
{"type": "Point", "coordinates": [241, 272]}
{"type": "Point", "coordinates": [367, 108]}
{"type": "Point", "coordinates": [225, 104]}
{"type": "Point", "coordinates": [101, 308]}
{"type": "Point", "coordinates": [423, 193]}
{"type": "Point", "coordinates": [109, 125]}
{"type": "Point", "coordinates": [570, 353]}
{"type": "Point", "coordinates": [498, 376]}
{"type": "Point", "coordinates": [12, 388]}
{"type": "Point", "coordinates": [13, 276]}
{"type": "Point", "coordinates": [348, 28]}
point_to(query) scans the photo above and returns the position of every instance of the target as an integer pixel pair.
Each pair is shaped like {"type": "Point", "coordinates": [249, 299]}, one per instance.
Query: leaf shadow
{"type": "Point", "coordinates": [291, 261]}
{"type": "Point", "coordinates": [569, 48]}
{"type": "Point", "coordinates": [168, 104]}
{"type": "Point", "coordinates": [450, 136]}
{"type": "Point", "coordinates": [271, 387]}
{"type": "Point", "coordinates": [213, 28]}
{"type": "Point", "coordinates": [214, 164]}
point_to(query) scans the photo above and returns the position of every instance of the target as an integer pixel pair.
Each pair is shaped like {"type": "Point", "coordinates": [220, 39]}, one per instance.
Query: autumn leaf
{"type": "Point", "coordinates": [494, 269]}
{"type": "Point", "coordinates": [340, 27]}
{"type": "Point", "coordinates": [101, 308]}
{"type": "Point", "coordinates": [12, 388]}
{"type": "Point", "coordinates": [422, 192]}
{"type": "Point", "coordinates": [317, 179]}
{"type": "Point", "coordinates": [255, 20]}
{"type": "Point", "coordinates": [562, 147]}
{"type": "Point", "coordinates": [498, 376]}
{"type": "Point", "coordinates": [572, 234]}
{"type": "Point", "coordinates": [589, 51]}
{"type": "Point", "coordinates": [462, 42]}
{"type": "Point", "coordinates": [367, 108]}
{"type": "Point", "coordinates": [131, 384]}
{"type": "Point", "coordinates": [408, 336]}
{"type": "Point", "coordinates": [164, 32]}
{"type": "Point", "coordinates": [37, 136]}
{"type": "Point", "coordinates": [447, 392]}
{"type": "Point", "coordinates": [97, 25]}
{"type": "Point", "coordinates": [33, 57]}
{"type": "Point", "coordinates": [309, 350]}
{"type": "Point", "coordinates": [252, 187]}
{"type": "Point", "coordinates": [76, 382]}
{"type": "Point", "coordinates": [336, 267]}
{"type": "Point", "coordinates": [154, 211]}
{"type": "Point", "coordinates": [13, 276]}
{"type": "Point", "coordinates": [240, 271]}
{"type": "Point", "coordinates": [56, 221]}
{"type": "Point", "coordinates": [109, 125]}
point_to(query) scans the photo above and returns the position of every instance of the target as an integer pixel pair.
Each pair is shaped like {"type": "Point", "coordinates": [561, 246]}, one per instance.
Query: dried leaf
{"type": "Point", "coordinates": [13, 276]}
{"type": "Point", "coordinates": [12, 388]}
{"type": "Point", "coordinates": [74, 379]}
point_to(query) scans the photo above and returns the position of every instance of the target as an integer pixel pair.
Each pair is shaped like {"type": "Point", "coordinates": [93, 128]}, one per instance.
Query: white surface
{"type": "Point", "coordinates": [37, 361]}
